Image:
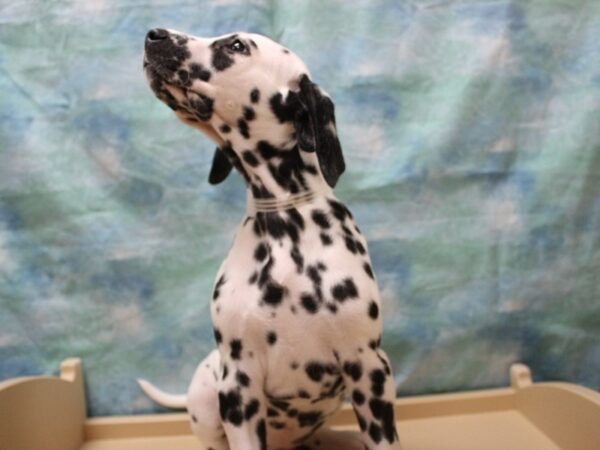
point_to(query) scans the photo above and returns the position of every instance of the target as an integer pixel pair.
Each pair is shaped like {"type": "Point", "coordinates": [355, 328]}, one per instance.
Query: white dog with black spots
{"type": "Point", "coordinates": [295, 308]}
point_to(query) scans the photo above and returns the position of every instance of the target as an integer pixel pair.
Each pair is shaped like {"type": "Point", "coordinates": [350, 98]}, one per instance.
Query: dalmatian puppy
{"type": "Point", "coordinates": [295, 308]}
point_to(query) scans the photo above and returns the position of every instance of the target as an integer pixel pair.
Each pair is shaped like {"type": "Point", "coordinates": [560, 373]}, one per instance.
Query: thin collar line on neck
{"type": "Point", "coordinates": [284, 203]}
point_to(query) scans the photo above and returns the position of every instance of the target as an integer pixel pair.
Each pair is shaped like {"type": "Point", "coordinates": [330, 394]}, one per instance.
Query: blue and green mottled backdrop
{"type": "Point", "coordinates": [471, 131]}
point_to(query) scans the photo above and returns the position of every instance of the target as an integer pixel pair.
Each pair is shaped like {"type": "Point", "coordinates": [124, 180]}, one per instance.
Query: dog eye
{"type": "Point", "coordinates": [237, 46]}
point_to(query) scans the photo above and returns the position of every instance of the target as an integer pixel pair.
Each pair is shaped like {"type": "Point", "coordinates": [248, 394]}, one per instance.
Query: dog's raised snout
{"type": "Point", "coordinates": [157, 34]}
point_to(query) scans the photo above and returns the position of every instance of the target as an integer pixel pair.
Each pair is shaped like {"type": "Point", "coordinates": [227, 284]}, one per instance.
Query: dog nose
{"type": "Point", "coordinates": [157, 34]}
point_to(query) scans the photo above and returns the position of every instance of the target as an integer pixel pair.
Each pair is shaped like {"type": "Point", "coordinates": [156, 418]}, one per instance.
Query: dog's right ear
{"type": "Point", "coordinates": [221, 167]}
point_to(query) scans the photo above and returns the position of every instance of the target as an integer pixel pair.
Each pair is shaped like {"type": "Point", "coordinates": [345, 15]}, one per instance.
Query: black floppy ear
{"type": "Point", "coordinates": [316, 131]}
{"type": "Point", "coordinates": [220, 167]}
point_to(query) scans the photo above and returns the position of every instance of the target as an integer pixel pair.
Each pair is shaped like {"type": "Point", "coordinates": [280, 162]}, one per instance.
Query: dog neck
{"type": "Point", "coordinates": [278, 177]}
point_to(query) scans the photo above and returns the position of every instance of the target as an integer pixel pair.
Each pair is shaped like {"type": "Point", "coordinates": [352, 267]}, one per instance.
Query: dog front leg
{"type": "Point", "coordinates": [242, 405]}
{"type": "Point", "coordinates": [371, 384]}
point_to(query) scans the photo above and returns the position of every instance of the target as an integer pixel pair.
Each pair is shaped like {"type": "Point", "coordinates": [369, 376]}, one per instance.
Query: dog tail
{"type": "Point", "coordinates": [161, 397]}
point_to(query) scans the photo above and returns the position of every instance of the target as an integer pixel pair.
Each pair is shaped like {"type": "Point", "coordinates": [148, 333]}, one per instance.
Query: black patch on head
{"type": "Point", "coordinates": [373, 310]}
{"type": "Point", "coordinates": [271, 337]}
{"type": "Point", "coordinates": [200, 105]}
{"type": "Point", "coordinates": [255, 95]}
{"type": "Point", "coordinates": [236, 349]}
{"type": "Point", "coordinates": [285, 111]}
{"type": "Point", "coordinates": [225, 128]}
{"type": "Point", "coordinates": [198, 72]}
{"type": "Point", "coordinates": [222, 55]}
{"type": "Point", "coordinates": [166, 56]}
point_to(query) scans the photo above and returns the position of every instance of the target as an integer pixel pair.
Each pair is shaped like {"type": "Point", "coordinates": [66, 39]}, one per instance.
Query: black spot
{"type": "Point", "coordinates": [249, 157]}
{"type": "Point", "coordinates": [271, 337]}
{"type": "Point", "coordinates": [197, 71]}
{"type": "Point", "coordinates": [373, 310]}
{"type": "Point", "coordinates": [242, 378]}
{"type": "Point", "coordinates": [261, 252]}
{"type": "Point", "coordinates": [273, 294]}
{"type": "Point", "coordinates": [362, 423]}
{"type": "Point", "coordinates": [296, 218]}
{"type": "Point", "coordinates": [284, 111]}
{"type": "Point", "coordinates": [358, 397]}
{"type": "Point", "coordinates": [303, 394]}
{"type": "Point", "coordinates": [325, 239]}
{"type": "Point", "coordinates": [267, 151]}
{"type": "Point", "coordinates": [222, 56]}
{"type": "Point", "coordinates": [297, 258]}
{"type": "Point", "coordinates": [225, 128]}
{"type": "Point", "coordinates": [307, 419]}
{"type": "Point", "coordinates": [340, 212]}
{"type": "Point", "coordinates": [261, 432]}
{"type": "Point", "coordinates": [368, 270]}
{"type": "Point", "coordinates": [350, 244]}
{"type": "Point", "coordinates": [377, 382]}
{"type": "Point", "coordinates": [294, 365]}
{"type": "Point", "coordinates": [243, 126]}
{"type": "Point", "coordinates": [276, 425]}
{"type": "Point", "coordinates": [251, 409]}
{"type": "Point", "coordinates": [253, 278]}
{"type": "Point", "coordinates": [249, 113]}
{"type": "Point", "coordinates": [353, 369]}
{"type": "Point", "coordinates": [315, 371]}
{"type": "Point", "coordinates": [281, 405]}
{"type": "Point", "coordinates": [345, 290]}
{"type": "Point", "coordinates": [361, 248]}
{"type": "Point", "coordinates": [309, 303]}
{"type": "Point", "coordinates": [230, 407]}
{"type": "Point", "coordinates": [375, 432]}
{"type": "Point", "coordinates": [218, 336]}
{"type": "Point", "coordinates": [320, 218]}
{"type": "Point", "coordinates": [225, 371]}
{"type": "Point", "coordinates": [292, 412]}
{"type": "Point", "coordinates": [272, 412]}
{"type": "Point", "coordinates": [255, 95]}
{"type": "Point", "coordinates": [236, 349]}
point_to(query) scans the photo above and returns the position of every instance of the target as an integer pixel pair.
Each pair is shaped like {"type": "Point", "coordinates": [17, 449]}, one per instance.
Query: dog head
{"type": "Point", "coordinates": [243, 89]}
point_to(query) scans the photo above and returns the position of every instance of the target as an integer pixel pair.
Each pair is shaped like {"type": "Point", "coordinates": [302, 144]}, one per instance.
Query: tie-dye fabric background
{"type": "Point", "coordinates": [471, 131]}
